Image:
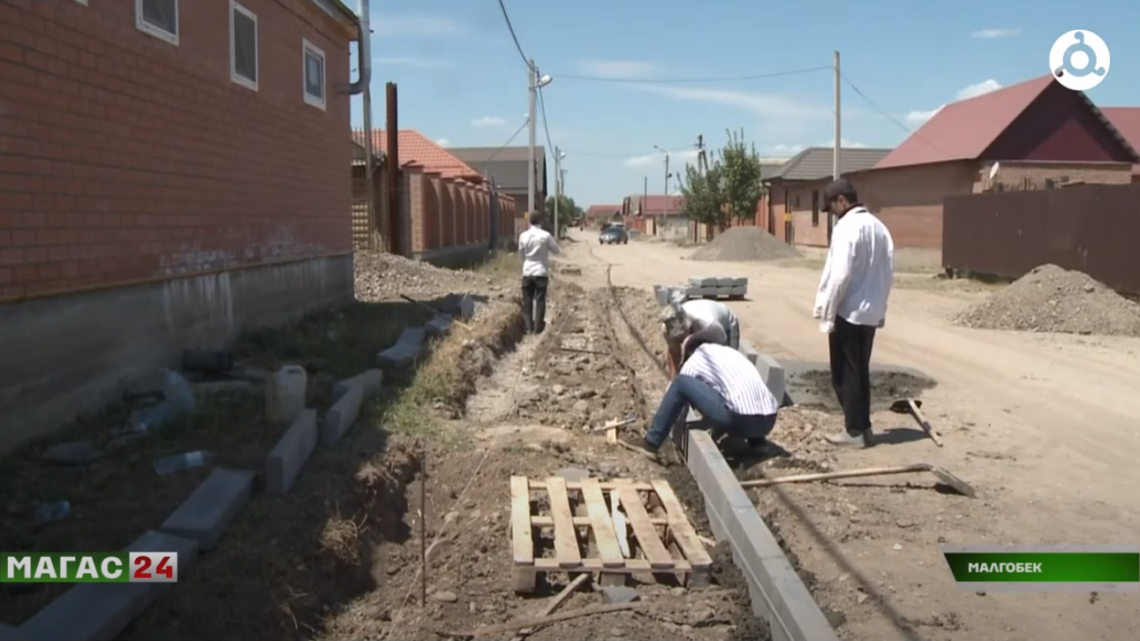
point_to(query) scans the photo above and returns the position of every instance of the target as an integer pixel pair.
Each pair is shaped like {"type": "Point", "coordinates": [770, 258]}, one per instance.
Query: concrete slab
{"type": "Point", "coordinates": [661, 293]}
{"type": "Point", "coordinates": [703, 281]}
{"type": "Point", "coordinates": [370, 381]}
{"type": "Point", "coordinates": [398, 357]}
{"type": "Point", "coordinates": [709, 292]}
{"type": "Point", "coordinates": [724, 281]}
{"type": "Point", "coordinates": [738, 282]}
{"type": "Point", "coordinates": [773, 374]}
{"type": "Point", "coordinates": [777, 592]}
{"type": "Point", "coordinates": [439, 325]}
{"type": "Point", "coordinates": [738, 290]}
{"type": "Point", "coordinates": [461, 305]}
{"type": "Point", "coordinates": [205, 516]}
{"type": "Point", "coordinates": [341, 416]}
{"type": "Point", "coordinates": [412, 336]}
{"type": "Point", "coordinates": [723, 292]}
{"type": "Point", "coordinates": [749, 350]}
{"type": "Point", "coordinates": [693, 292]}
{"type": "Point", "coordinates": [292, 451]}
{"type": "Point", "coordinates": [101, 611]}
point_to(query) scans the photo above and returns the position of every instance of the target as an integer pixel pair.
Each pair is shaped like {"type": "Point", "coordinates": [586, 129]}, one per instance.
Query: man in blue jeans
{"type": "Point", "coordinates": [720, 383]}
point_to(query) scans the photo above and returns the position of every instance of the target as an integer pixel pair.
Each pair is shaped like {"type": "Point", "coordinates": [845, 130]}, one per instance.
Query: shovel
{"type": "Point", "coordinates": [943, 475]}
{"type": "Point", "coordinates": [911, 406]}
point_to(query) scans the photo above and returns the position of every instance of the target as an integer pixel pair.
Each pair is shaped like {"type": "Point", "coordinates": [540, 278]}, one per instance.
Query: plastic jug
{"type": "Point", "coordinates": [285, 394]}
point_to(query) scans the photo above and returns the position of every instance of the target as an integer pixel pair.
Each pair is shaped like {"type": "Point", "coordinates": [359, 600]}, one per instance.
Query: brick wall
{"type": "Point", "coordinates": [1015, 175]}
{"type": "Point", "coordinates": [447, 213]}
{"type": "Point", "coordinates": [126, 157]}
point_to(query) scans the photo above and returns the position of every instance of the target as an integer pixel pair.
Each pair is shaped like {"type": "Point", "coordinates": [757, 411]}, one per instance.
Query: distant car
{"type": "Point", "coordinates": [614, 235]}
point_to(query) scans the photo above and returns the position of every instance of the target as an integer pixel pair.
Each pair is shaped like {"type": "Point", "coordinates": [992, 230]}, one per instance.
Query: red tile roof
{"type": "Point", "coordinates": [417, 148]}
{"type": "Point", "coordinates": [1127, 122]}
{"type": "Point", "coordinates": [963, 130]}
{"type": "Point", "coordinates": [655, 205]}
{"type": "Point", "coordinates": [602, 210]}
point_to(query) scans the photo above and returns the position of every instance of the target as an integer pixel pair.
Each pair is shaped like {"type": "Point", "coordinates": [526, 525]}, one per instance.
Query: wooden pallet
{"type": "Point", "coordinates": [581, 515]}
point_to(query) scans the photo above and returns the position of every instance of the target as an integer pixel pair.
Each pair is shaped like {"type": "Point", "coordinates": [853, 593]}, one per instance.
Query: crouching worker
{"type": "Point", "coordinates": [679, 325]}
{"type": "Point", "coordinates": [721, 384]}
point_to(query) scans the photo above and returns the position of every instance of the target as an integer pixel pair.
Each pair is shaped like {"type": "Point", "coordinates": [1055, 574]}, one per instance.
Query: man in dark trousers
{"type": "Point", "coordinates": [852, 303]}
{"type": "Point", "coordinates": [535, 247]}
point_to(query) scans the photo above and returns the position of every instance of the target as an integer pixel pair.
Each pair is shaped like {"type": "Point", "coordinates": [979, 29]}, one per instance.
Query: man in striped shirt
{"type": "Point", "coordinates": [720, 383]}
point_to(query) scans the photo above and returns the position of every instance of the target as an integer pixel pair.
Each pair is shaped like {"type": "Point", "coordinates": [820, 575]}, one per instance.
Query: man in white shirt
{"type": "Point", "coordinates": [720, 383]}
{"type": "Point", "coordinates": [535, 247]}
{"type": "Point", "coordinates": [852, 303]}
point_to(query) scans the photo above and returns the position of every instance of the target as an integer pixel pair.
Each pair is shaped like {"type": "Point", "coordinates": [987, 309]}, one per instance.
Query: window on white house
{"type": "Point", "coordinates": [243, 46]}
{"type": "Point", "coordinates": [159, 18]}
{"type": "Point", "coordinates": [314, 74]}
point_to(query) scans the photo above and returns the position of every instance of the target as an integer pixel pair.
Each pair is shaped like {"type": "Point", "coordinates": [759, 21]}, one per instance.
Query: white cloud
{"type": "Point", "coordinates": [617, 68]}
{"type": "Point", "coordinates": [443, 142]}
{"type": "Point", "coordinates": [657, 158]}
{"type": "Point", "coordinates": [982, 88]}
{"type": "Point", "coordinates": [786, 150]}
{"type": "Point", "coordinates": [996, 33]}
{"type": "Point", "coordinates": [488, 121]}
{"type": "Point", "coordinates": [971, 91]}
{"type": "Point", "coordinates": [412, 62]}
{"type": "Point", "coordinates": [765, 105]}
{"type": "Point", "coordinates": [415, 26]}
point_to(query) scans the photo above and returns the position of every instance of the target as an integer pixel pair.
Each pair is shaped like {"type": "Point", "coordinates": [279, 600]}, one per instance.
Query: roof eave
{"type": "Point", "coordinates": [338, 10]}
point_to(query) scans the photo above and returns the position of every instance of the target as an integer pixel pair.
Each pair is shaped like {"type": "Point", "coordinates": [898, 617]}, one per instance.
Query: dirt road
{"type": "Point", "coordinates": [1045, 426]}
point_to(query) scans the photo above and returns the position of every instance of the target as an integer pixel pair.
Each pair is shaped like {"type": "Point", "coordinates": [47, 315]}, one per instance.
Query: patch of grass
{"type": "Point", "coordinates": [502, 265]}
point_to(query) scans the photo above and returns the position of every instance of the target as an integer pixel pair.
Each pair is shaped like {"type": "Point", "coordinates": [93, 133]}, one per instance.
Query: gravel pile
{"type": "Point", "coordinates": [381, 276]}
{"type": "Point", "coordinates": [745, 244]}
{"type": "Point", "coordinates": [1052, 299]}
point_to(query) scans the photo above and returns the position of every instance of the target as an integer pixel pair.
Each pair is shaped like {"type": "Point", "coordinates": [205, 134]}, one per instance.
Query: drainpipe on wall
{"type": "Point", "coordinates": [363, 86]}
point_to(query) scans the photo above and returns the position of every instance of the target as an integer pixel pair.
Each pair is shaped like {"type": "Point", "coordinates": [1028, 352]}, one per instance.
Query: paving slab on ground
{"type": "Point", "coordinates": [205, 515]}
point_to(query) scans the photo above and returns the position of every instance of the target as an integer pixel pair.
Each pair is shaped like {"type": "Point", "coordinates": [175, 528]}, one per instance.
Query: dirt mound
{"type": "Point", "coordinates": [381, 276]}
{"type": "Point", "coordinates": [745, 244]}
{"type": "Point", "coordinates": [1052, 299]}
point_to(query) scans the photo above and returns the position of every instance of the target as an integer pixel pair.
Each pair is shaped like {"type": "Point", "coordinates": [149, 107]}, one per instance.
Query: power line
{"type": "Point", "coordinates": [664, 81]}
{"type": "Point", "coordinates": [895, 121]}
{"type": "Point", "coordinates": [509, 141]}
{"type": "Point", "coordinates": [514, 37]}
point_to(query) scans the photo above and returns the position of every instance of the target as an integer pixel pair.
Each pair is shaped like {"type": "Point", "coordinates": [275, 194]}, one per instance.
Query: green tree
{"type": "Point", "coordinates": [726, 189]}
{"type": "Point", "coordinates": [569, 213]}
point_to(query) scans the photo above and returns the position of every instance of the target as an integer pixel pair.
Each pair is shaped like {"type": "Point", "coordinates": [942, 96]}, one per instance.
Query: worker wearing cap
{"type": "Point", "coordinates": [682, 319]}
{"type": "Point", "coordinates": [851, 304]}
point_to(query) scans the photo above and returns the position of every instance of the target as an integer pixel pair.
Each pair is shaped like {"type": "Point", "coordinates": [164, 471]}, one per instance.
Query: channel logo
{"type": "Point", "coordinates": [1079, 60]}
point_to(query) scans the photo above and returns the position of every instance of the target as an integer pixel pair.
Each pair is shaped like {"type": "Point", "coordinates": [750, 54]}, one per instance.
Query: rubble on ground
{"type": "Point", "coordinates": [745, 244]}
{"type": "Point", "coordinates": [382, 276]}
{"type": "Point", "coordinates": [1053, 299]}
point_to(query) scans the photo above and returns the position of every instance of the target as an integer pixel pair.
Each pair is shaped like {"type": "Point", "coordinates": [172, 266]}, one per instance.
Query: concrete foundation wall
{"type": "Point", "coordinates": [68, 355]}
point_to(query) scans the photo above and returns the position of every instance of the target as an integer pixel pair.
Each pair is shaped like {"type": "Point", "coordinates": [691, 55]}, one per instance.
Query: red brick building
{"type": "Point", "coordinates": [171, 169]}
{"type": "Point", "coordinates": [1037, 133]}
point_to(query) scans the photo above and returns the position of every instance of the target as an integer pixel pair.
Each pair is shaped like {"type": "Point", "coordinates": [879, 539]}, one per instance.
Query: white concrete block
{"type": "Point", "coordinates": [723, 292]}
{"type": "Point", "coordinates": [205, 516]}
{"type": "Point", "coordinates": [398, 357]}
{"type": "Point", "coordinates": [738, 291]}
{"type": "Point", "coordinates": [773, 374]}
{"type": "Point", "coordinates": [370, 381]}
{"type": "Point", "coordinates": [702, 281]}
{"type": "Point", "coordinates": [101, 611]}
{"type": "Point", "coordinates": [749, 350]}
{"type": "Point", "coordinates": [292, 451]}
{"type": "Point", "coordinates": [412, 336]}
{"type": "Point", "coordinates": [693, 292]}
{"type": "Point", "coordinates": [709, 292]}
{"type": "Point", "coordinates": [342, 416]}
{"type": "Point", "coordinates": [439, 325]}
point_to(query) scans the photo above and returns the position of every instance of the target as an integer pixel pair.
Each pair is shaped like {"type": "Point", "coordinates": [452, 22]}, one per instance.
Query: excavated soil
{"type": "Point", "coordinates": [886, 388]}
{"type": "Point", "coordinates": [1052, 299]}
{"type": "Point", "coordinates": [745, 244]}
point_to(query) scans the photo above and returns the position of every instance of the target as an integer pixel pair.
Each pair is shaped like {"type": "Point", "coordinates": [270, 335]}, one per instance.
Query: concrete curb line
{"type": "Point", "coordinates": [778, 594]}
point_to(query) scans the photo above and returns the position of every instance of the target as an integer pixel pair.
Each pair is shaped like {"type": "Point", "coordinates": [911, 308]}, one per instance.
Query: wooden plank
{"type": "Point", "coordinates": [630, 566]}
{"type": "Point", "coordinates": [583, 521]}
{"type": "Point", "coordinates": [603, 527]}
{"type": "Point", "coordinates": [522, 532]}
{"type": "Point", "coordinates": [679, 525]}
{"type": "Point", "coordinates": [606, 486]}
{"type": "Point", "coordinates": [647, 536]}
{"type": "Point", "coordinates": [566, 549]}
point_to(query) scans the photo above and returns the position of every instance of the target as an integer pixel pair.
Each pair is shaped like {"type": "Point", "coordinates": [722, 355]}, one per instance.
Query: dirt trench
{"type": "Point", "coordinates": [527, 418]}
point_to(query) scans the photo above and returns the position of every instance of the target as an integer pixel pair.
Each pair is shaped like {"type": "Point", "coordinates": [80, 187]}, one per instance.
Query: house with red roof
{"type": "Point", "coordinates": [1033, 135]}
{"type": "Point", "coordinates": [449, 214]}
{"type": "Point", "coordinates": [1127, 122]}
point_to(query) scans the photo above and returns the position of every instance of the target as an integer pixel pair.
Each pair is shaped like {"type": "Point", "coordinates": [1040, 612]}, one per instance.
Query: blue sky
{"type": "Point", "coordinates": [462, 82]}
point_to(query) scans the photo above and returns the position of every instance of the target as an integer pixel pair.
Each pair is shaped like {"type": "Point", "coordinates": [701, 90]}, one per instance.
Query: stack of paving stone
{"type": "Point", "coordinates": [717, 287]}
{"type": "Point", "coordinates": [406, 352]}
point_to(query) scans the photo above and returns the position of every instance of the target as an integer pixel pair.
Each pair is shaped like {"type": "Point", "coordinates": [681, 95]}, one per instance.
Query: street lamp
{"type": "Point", "coordinates": [534, 83]}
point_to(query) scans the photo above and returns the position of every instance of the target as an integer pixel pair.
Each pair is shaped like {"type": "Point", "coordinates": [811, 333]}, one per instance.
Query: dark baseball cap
{"type": "Point", "coordinates": [837, 188]}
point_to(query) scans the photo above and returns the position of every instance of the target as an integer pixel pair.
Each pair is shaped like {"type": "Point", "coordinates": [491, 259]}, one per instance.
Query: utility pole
{"type": "Point", "coordinates": [665, 206]}
{"type": "Point", "coordinates": [532, 87]}
{"type": "Point", "coordinates": [702, 167]}
{"type": "Point", "coordinates": [838, 127]}
{"type": "Point", "coordinates": [557, 186]}
{"type": "Point", "coordinates": [644, 197]}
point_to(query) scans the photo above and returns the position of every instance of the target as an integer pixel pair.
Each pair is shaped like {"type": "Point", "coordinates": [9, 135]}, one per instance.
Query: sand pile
{"type": "Point", "coordinates": [1052, 299]}
{"type": "Point", "coordinates": [745, 244]}
{"type": "Point", "coordinates": [381, 276]}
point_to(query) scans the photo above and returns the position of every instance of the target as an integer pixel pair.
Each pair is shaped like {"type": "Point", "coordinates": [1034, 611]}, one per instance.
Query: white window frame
{"type": "Point", "coordinates": [234, 75]}
{"type": "Point", "coordinates": [154, 30]}
{"type": "Point", "coordinates": [308, 48]}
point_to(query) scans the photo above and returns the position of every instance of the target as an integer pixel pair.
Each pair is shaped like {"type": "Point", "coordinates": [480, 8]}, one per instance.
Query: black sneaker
{"type": "Point", "coordinates": [846, 439]}
{"type": "Point", "coordinates": [641, 446]}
